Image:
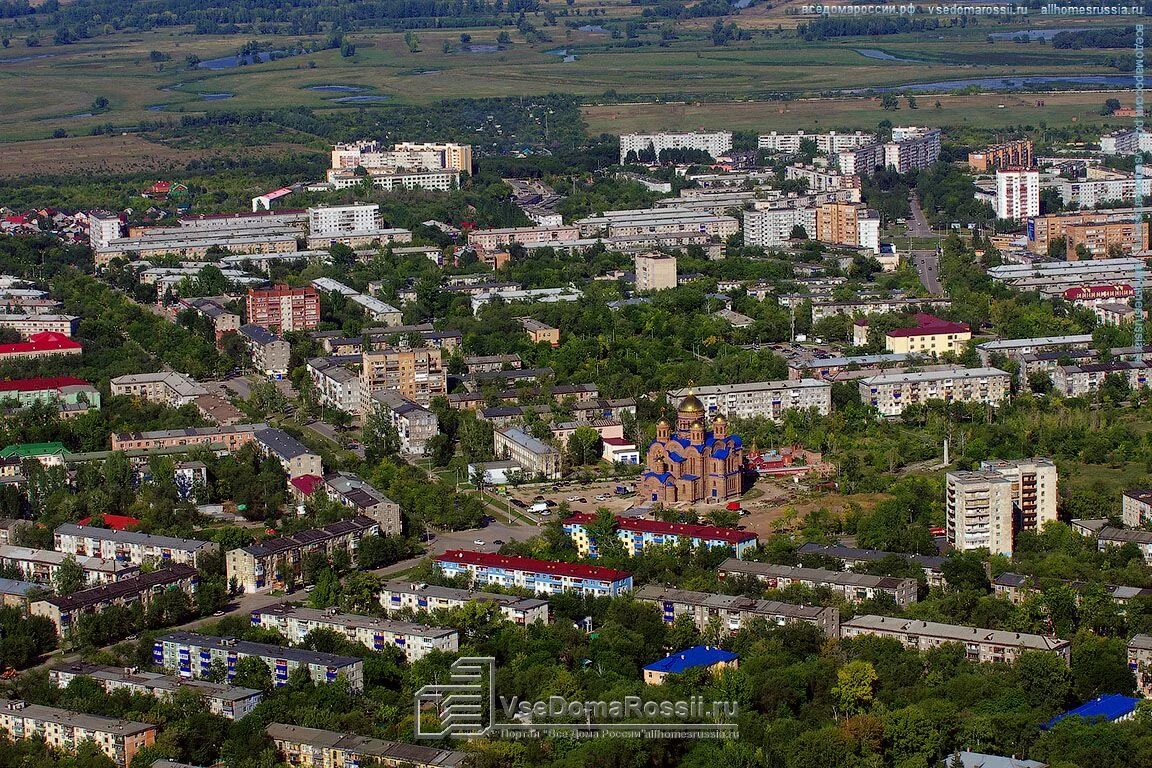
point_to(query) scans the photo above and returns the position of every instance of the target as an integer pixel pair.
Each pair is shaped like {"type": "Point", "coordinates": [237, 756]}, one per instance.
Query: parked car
{"type": "Point", "coordinates": [479, 542]}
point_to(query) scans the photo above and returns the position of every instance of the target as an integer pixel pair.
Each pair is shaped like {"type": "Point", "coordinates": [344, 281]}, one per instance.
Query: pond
{"type": "Point", "coordinates": [228, 62]}
{"type": "Point", "coordinates": [875, 53]}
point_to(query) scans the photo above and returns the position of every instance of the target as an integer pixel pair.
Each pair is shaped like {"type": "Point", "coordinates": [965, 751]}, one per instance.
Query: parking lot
{"type": "Point", "coordinates": [580, 497]}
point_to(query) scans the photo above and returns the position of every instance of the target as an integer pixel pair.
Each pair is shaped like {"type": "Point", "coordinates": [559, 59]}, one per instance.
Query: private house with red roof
{"type": "Point", "coordinates": [539, 576]}
{"type": "Point", "coordinates": [693, 464]}
{"type": "Point", "coordinates": [637, 534]}
{"type": "Point", "coordinates": [72, 396]}
{"type": "Point", "coordinates": [44, 344]}
{"type": "Point", "coordinates": [929, 336]}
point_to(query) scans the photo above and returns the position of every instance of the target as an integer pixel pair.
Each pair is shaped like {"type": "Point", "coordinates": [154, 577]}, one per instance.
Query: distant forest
{"type": "Point", "coordinates": [1119, 37]}
{"type": "Point", "coordinates": [289, 17]}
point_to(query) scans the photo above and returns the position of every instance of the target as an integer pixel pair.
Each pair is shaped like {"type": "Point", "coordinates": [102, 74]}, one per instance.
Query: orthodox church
{"type": "Point", "coordinates": [693, 464]}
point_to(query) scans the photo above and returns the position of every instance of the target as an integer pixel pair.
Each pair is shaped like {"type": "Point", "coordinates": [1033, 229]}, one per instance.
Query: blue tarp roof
{"type": "Point", "coordinates": [1111, 707]}
{"type": "Point", "coordinates": [689, 658]}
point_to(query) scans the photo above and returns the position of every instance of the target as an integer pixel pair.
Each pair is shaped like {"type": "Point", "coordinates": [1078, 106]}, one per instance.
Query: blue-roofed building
{"type": "Point", "coordinates": [1112, 708]}
{"type": "Point", "coordinates": [693, 464]}
{"type": "Point", "coordinates": [980, 760]}
{"type": "Point", "coordinates": [696, 657]}
{"type": "Point", "coordinates": [14, 593]}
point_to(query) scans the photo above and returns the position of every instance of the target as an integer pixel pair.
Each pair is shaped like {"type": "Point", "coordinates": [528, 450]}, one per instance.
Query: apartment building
{"type": "Point", "coordinates": [167, 387]}
{"type": "Point", "coordinates": [18, 594]}
{"type": "Point", "coordinates": [1014, 349]}
{"type": "Point", "coordinates": [296, 458]}
{"type": "Point", "coordinates": [1010, 154]}
{"type": "Point", "coordinates": [156, 242]}
{"type": "Point", "coordinates": [865, 306]}
{"type": "Point", "coordinates": [65, 612]}
{"type": "Point", "coordinates": [348, 490]}
{"type": "Point", "coordinates": [416, 373]}
{"type": "Point", "coordinates": [30, 325]}
{"type": "Point", "coordinates": [829, 143]}
{"type": "Point", "coordinates": [271, 355]}
{"type": "Point", "coordinates": [372, 155]}
{"type": "Point", "coordinates": [1017, 193]}
{"type": "Point", "coordinates": [1118, 537]}
{"type": "Point", "coordinates": [45, 344]}
{"type": "Point", "coordinates": [1085, 379]}
{"type": "Point", "coordinates": [414, 423]}
{"type": "Point", "coordinates": [495, 239]}
{"type": "Point", "coordinates": [735, 612]}
{"type": "Point", "coordinates": [655, 272]}
{"type": "Point", "coordinates": [983, 645]}
{"type": "Point", "coordinates": [1140, 663]}
{"type": "Point", "coordinates": [1113, 226]}
{"type": "Point", "coordinates": [130, 546]}
{"type": "Point", "coordinates": [657, 221]}
{"type": "Point", "coordinates": [277, 562]}
{"type": "Point", "coordinates": [1017, 588]}
{"type": "Point", "coordinates": [1125, 141]}
{"type": "Point", "coordinates": [223, 321]}
{"type": "Point", "coordinates": [228, 701]}
{"type": "Point", "coordinates": [400, 595]}
{"type": "Point", "coordinates": [1034, 493]}
{"type": "Point", "coordinates": [535, 456]}
{"type": "Point", "coordinates": [283, 309]}
{"type": "Point", "coordinates": [227, 438]}
{"type": "Point", "coordinates": [848, 224]}
{"type": "Point", "coordinates": [313, 748]}
{"type": "Point", "coordinates": [1136, 510]}
{"type": "Point", "coordinates": [979, 511]}
{"type": "Point", "coordinates": [539, 576]}
{"type": "Point", "coordinates": [769, 399]}
{"type": "Point", "coordinates": [64, 730]}
{"type": "Point", "coordinates": [335, 381]}
{"type": "Point", "coordinates": [820, 179]}
{"type": "Point", "coordinates": [930, 336]}
{"type": "Point", "coordinates": [912, 148]}
{"type": "Point", "coordinates": [415, 641]}
{"type": "Point", "coordinates": [771, 228]}
{"type": "Point", "coordinates": [337, 220]}
{"type": "Point", "coordinates": [43, 565]}
{"type": "Point", "coordinates": [193, 655]}
{"type": "Point", "coordinates": [853, 587]}
{"type": "Point", "coordinates": [891, 393]}
{"type": "Point", "coordinates": [638, 534]}
{"type": "Point", "coordinates": [855, 557]}
{"type": "Point", "coordinates": [539, 332]}
{"type": "Point", "coordinates": [715, 143]}
{"type": "Point", "coordinates": [856, 366]}
{"type": "Point", "coordinates": [1100, 187]}
{"type": "Point", "coordinates": [389, 180]}
{"type": "Point", "coordinates": [1098, 240]}
{"type": "Point", "coordinates": [69, 395]}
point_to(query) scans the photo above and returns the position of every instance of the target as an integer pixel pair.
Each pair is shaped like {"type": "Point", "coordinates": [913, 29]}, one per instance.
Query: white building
{"type": "Point", "coordinates": [415, 641]}
{"type": "Point", "coordinates": [334, 220]}
{"type": "Point", "coordinates": [715, 144]}
{"type": "Point", "coordinates": [1017, 193]}
{"type": "Point", "coordinates": [891, 393]}
{"type": "Point", "coordinates": [761, 398]}
{"type": "Point", "coordinates": [829, 143]}
{"type": "Point", "coordinates": [771, 228]}
{"type": "Point", "coordinates": [978, 511]}
{"type": "Point", "coordinates": [1126, 141]}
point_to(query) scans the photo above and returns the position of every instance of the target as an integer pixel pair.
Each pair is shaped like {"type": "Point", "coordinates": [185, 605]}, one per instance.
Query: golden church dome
{"type": "Point", "coordinates": [691, 404]}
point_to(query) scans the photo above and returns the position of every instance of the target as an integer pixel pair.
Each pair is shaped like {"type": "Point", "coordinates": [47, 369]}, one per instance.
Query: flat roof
{"type": "Point", "coordinates": [703, 532]}
{"type": "Point", "coordinates": [265, 650]}
{"type": "Point", "coordinates": [751, 386]}
{"type": "Point", "coordinates": [401, 586]}
{"type": "Point", "coordinates": [955, 632]}
{"type": "Point", "coordinates": [656, 593]}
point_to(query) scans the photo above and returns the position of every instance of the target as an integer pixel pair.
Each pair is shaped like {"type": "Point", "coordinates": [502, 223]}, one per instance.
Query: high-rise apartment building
{"type": "Point", "coordinates": [1017, 193]}
{"type": "Point", "coordinates": [715, 144]}
{"type": "Point", "coordinates": [1033, 490]}
{"type": "Point", "coordinates": [1010, 154]}
{"type": "Point", "coordinates": [284, 309]}
{"type": "Point", "coordinates": [978, 508]}
{"type": "Point", "coordinates": [655, 272]}
{"type": "Point", "coordinates": [417, 373]}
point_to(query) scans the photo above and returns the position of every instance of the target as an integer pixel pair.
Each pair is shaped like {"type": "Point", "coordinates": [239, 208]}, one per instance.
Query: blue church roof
{"type": "Point", "coordinates": [663, 477]}
{"type": "Point", "coordinates": [720, 453]}
{"type": "Point", "coordinates": [689, 658]}
{"type": "Point", "coordinates": [1110, 707]}
{"type": "Point", "coordinates": [675, 457]}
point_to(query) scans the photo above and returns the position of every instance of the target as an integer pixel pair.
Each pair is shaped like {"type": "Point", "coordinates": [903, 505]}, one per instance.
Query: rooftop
{"type": "Point", "coordinates": [42, 383]}
{"type": "Point", "coordinates": [702, 532]}
{"type": "Point", "coordinates": [387, 752]}
{"type": "Point", "coordinates": [1110, 707]}
{"type": "Point", "coordinates": [265, 650]}
{"type": "Point", "coordinates": [313, 536]}
{"type": "Point", "coordinates": [531, 565]}
{"type": "Point", "coordinates": [466, 595]}
{"type": "Point", "coordinates": [732, 603]}
{"type": "Point", "coordinates": [134, 585]}
{"type": "Point", "coordinates": [527, 441]}
{"type": "Point", "coordinates": [70, 719]}
{"type": "Point", "coordinates": [816, 575]}
{"type": "Point", "coordinates": [351, 620]}
{"type": "Point", "coordinates": [691, 658]}
{"type": "Point", "coordinates": [922, 376]}
{"type": "Point", "coordinates": [45, 341]}
{"type": "Point", "coordinates": [132, 537]}
{"type": "Point", "coordinates": [258, 334]}
{"type": "Point", "coordinates": [282, 444]}
{"type": "Point", "coordinates": [956, 632]}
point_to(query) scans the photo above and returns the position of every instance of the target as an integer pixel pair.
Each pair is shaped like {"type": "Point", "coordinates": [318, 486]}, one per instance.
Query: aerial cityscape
{"type": "Point", "coordinates": [539, 384]}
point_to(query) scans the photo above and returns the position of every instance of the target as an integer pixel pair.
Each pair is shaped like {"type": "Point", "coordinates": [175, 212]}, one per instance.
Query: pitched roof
{"type": "Point", "coordinates": [41, 383]}
{"type": "Point", "coordinates": [690, 658]}
{"type": "Point", "coordinates": [927, 324]}
{"type": "Point", "coordinates": [702, 532]}
{"type": "Point", "coordinates": [1111, 707]}
{"type": "Point", "coordinates": [531, 565]}
{"type": "Point", "coordinates": [45, 341]}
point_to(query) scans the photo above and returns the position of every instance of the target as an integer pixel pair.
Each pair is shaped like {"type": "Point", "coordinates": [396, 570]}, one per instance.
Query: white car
{"type": "Point", "coordinates": [573, 499]}
{"type": "Point", "coordinates": [479, 542]}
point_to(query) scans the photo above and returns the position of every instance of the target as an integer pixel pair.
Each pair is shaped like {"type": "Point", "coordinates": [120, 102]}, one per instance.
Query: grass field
{"type": "Point", "coordinates": [978, 111]}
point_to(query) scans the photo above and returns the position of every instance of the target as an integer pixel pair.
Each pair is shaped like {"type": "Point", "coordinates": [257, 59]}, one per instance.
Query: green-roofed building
{"type": "Point", "coordinates": [48, 454]}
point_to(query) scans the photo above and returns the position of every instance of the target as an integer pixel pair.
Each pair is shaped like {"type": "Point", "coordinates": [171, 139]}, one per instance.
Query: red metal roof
{"type": "Point", "coordinates": [41, 382]}
{"type": "Point", "coordinates": [929, 325]}
{"type": "Point", "coordinates": [307, 484]}
{"type": "Point", "coordinates": [115, 522]}
{"type": "Point", "coordinates": [1110, 290]}
{"type": "Point", "coordinates": [45, 341]}
{"type": "Point", "coordinates": [492, 560]}
{"type": "Point", "coordinates": [702, 532]}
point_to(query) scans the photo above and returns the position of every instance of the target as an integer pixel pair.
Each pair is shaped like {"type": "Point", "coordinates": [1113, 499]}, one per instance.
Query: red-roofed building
{"type": "Point", "coordinates": [115, 522]}
{"type": "Point", "coordinates": [44, 344]}
{"type": "Point", "coordinates": [304, 486]}
{"type": "Point", "coordinates": [930, 336]}
{"type": "Point", "coordinates": [638, 534]}
{"type": "Point", "coordinates": [540, 576]}
{"type": "Point", "coordinates": [72, 396]}
{"type": "Point", "coordinates": [1092, 296]}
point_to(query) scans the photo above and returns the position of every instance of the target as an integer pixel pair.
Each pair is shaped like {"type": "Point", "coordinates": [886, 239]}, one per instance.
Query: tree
{"type": "Point", "coordinates": [69, 577]}
{"type": "Point", "coordinates": [583, 446]}
{"type": "Point", "coordinates": [602, 534]}
{"type": "Point", "coordinates": [798, 232]}
{"type": "Point", "coordinates": [965, 571]}
{"type": "Point", "coordinates": [889, 102]}
{"type": "Point", "coordinates": [251, 672]}
{"type": "Point", "coordinates": [854, 686]}
{"type": "Point", "coordinates": [1045, 678]}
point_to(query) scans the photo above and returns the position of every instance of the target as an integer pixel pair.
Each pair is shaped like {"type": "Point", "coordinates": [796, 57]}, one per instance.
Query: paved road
{"type": "Point", "coordinates": [918, 225]}
{"type": "Point", "coordinates": [927, 265]}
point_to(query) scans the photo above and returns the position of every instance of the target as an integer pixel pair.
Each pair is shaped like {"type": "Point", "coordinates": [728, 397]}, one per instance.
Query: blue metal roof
{"type": "Point", "coordinates": [675, 457]}
{"type": "Point", "coordinates": [1110, 707]}
{"type": "Point", "coordinates": [689, 658]}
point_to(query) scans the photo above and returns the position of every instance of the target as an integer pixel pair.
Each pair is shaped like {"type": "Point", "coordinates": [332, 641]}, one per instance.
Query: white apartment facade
{"type": "Point", "coordinates": [891, 393]}
{"type": "Point", "coordinates": [1017, 193]}
{"type": "Point", "coordinates": [415, 641]}
{"type": "Point", "coordinates": [978, 511]}
{"type": "Point", "coordinates": [167, 387]}
{"type": "Point", "coordinates": [828, 143]}
{"type": "Point", "coordinates": [335, 220]}
{"type": "Point", "coordinates": [773, 227]}
{"type": "Point", "coordinates": [129, 546]}
{"type": "Point", "coordinates": [769, 399]}
{"type": "Point", "coordinates": [715, 144]}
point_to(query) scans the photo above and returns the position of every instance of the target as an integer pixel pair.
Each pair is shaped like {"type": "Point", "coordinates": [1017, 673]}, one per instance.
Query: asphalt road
{"type": "Point", "coordinates": [918, 225]}
{"type": "Point", "coordinates": [927, 265]}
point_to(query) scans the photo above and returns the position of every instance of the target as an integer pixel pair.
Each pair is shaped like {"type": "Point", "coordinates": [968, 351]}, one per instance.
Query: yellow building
{"type": "Point", "coordinates": [538, 331]}
{"type": "Point", "coordinates": [931, 336]}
